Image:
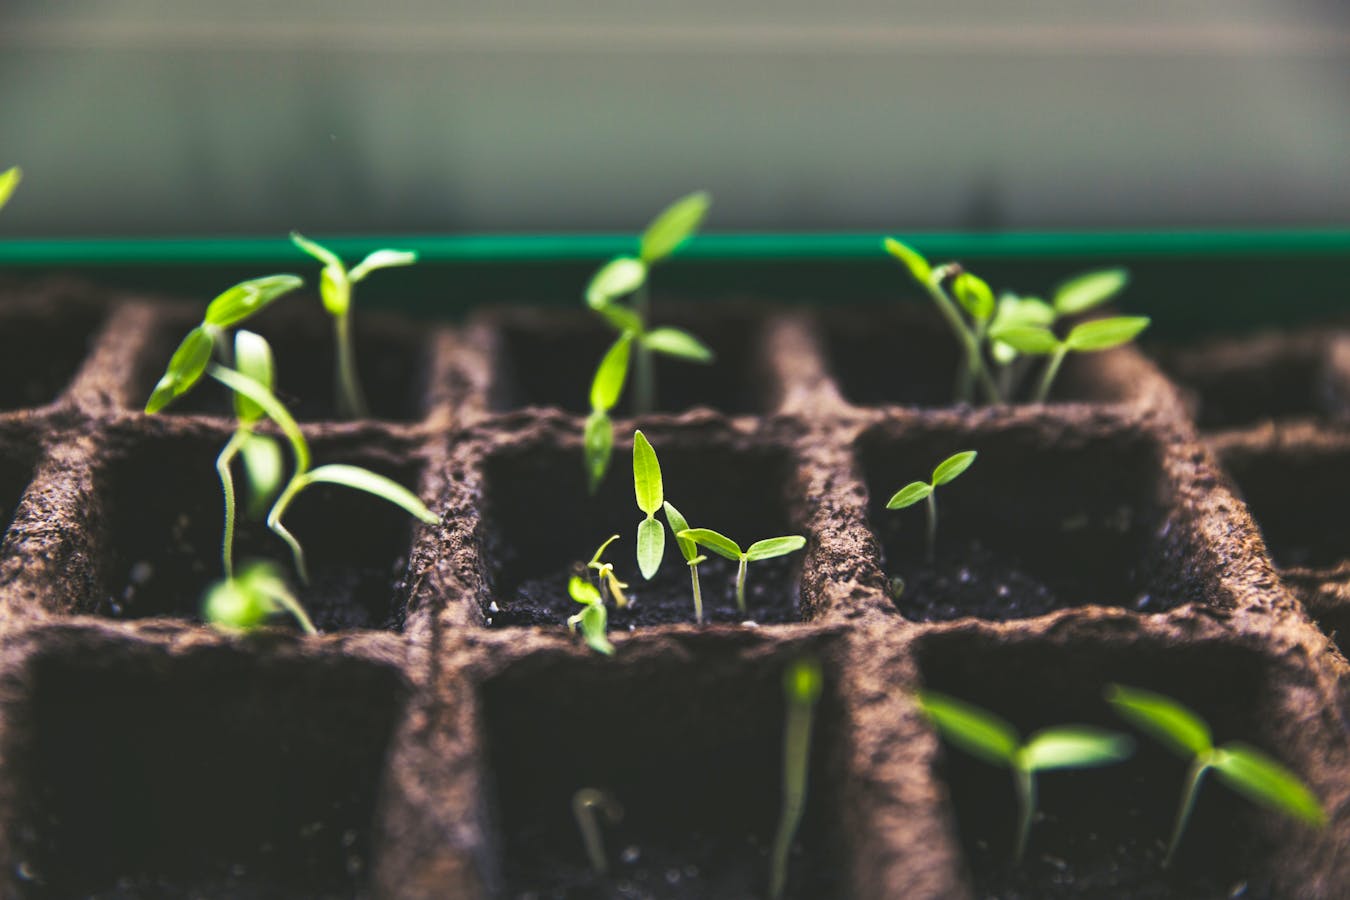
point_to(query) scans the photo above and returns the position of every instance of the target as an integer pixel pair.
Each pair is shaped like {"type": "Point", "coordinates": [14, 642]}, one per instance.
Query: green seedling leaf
{"type": "Point", "coordinates": [623, 319]}
{"type": "Point", "coordinates": [582, 591]}
{"type": "Point", "coordinates": [263, 469]}
{"type": "Point", "coordinates": [975, 730]}
{"type": "Point", "coordinates": [185, 369]}
{"type": "Point", "coordinates": [912, 259]}
{"type": "Point", "coordinates": [617, 278]}
{"type": "Point", "coordinates": [231, 606]}
{"type": "Point", "coordinates": [381, 259]}
{"type": "Point", "coordinates": [1163, 718]}
{"type": "Point", "coordinates": [1103, 334]}
{"type": "Point", "coordinates": [720, 544]}
{"type": "Point", "coordinates": [673, 226]}
{"type": "Point", "coordinates": [252, 357]}
{"type": "Point", "coordinates": [674, 342]}
{"type": "Point", "coordinates": [316, 250]}
{"type": "Point", "coordinates": [611, 374]}
{"type": "Point", "coordinates": [1028, 311]}
{"type": "Point", "coordinates": [335, 289]}
{"type": "Point", "coordinates": [1074, 747]}
{"type": "Point", "coordinates": [651, 547]}
{"type": "Point", "coordinates": [909, 495]}
{"type": "Point", "coordinates": [598, 440]}
{"type": "Point", "coordinates": [952, 467]}
{"type": "Point", "coordinates": [593, 618]}
{"type": "Point", "coordinates": [688, 549]}
{"type": "Point", "coordinates": [1260, 778]}
{"type": "Point", "coordinates": [1029, 339]}
{"type": "Point", "coordinates": [9, 180]}
{"type": "Point", "coordinates": [242, 384]}
{"type": "Point", "coordinates": [1089, 290]}
{"type": "Point", "coordinates": [803, 681]}
{"type": "Point", "coordinates": [248, 297]}
{"type": "Point", "coordinates": [600, 551]}
{"type": "Point", "coordinates": [646, 475]}
{"type": "Point", "coordinates": [372, 483]}
{"type": "Point", "coordinates": [974, 295]}
{"type": "Point", "coordinates": [772, 547]}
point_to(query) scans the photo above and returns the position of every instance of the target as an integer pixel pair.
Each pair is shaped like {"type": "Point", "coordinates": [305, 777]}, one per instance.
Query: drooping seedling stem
{"type": "Point", "coordinates": [802, 683]}
{"type": "Point", "coordinates": [585, 803]}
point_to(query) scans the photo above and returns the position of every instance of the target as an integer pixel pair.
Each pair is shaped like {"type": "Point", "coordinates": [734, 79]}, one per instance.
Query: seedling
{"type": "Point", "coordinates": [947, 471]}
{"type": "Point", "coordinates": [725, 547]}
{"type": "Point", "coordinates": [692, 558]}
{"type": "Point", "coordinates": [246, 600]}
{"type": "Point", "coordinates": [593, 619]}
{"type": "Point", "coordinates": [585, 802]}
{"type": "Point", "coordinates": [651, 537]}
{"type": "Point", "coordinates": [1088, 337]}
{"type": "Point", "coordinates": [9, 180]}
{"type": "Point", "coordinates": [620, 278]}
{"type": "Point", "coordinates": [802, 682]}
{"type": "Point", "coordinates": [991, 739]}
{"type": "Point", "coordinates": [605, 577]}
{"type": "Point", "coordinates": [1245, 769]}
{"type": "Point", "coordinates": [336, 283]}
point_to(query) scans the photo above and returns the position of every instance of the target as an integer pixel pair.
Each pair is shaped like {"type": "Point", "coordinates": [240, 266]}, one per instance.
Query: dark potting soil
{"type": "Point", "coordinates": [771, 596]}
{"type": "Point", "coordinates": [40, 353]}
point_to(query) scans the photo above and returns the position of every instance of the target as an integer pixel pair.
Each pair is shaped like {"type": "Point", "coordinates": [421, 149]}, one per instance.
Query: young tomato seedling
{"type": "Point", "coordinates": [802, 682]}
{"type": "Point", "coordinates": [988, 737]}
{"type": "Point", "coordinates": [946, 471]}
{"type": "Point", "coordinates": [9, 180]}
{"type": "Point", "coordinates": [335, 288]}
{"type": "Point", "coordinates": [692, 558]}
{"type": "Point", "coordinates": [246, 600]}
{"type": "Point", "coordinates": [725, 547]}
{"type": "Point", "coordinates": [1088, 337]}
{"type": "Point", "coordinates": [617, 279]}
{"type": "Point", "coordinates": [651, 537]}
{"type": "Point", "coordinates": [605, 577]}
{"type": "Point", "coordinates": [585, 803]}
{"type": "Point", "coordinates": [1245, 769]}
{"type": "Point", "coordinates": [593, 619]}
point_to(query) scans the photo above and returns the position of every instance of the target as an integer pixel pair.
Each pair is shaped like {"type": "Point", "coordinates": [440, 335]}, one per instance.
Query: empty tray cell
{"type": "Point", "coordinates": [1103, 832]}
{"type": "Point", "coordinates": [162, 521]}
{"type": "Point", "coordinates": [392, 362]}
{"type": "Point", "coordinates": [549, 359]}
{"type": "Point", "coordinates": [690, 744]}
{"type": "Point", "coordinates": [44, 337]}
{"type": "Point", "coordinates": [216, 774]}
{"type": "Point", "coordinates": [904, 354]}
{"type": "Point", "coordinates": [540, 526]}
{"type": "Point", "coordinates": [1049, 516]}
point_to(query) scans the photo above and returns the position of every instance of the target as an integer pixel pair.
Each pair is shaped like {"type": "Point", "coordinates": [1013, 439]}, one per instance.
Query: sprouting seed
{"type": "Point", "coordinates": [946, 471]}
{"type": "Point", "coordinates": [802, 684]}
{"type": "Point", "coordinates": [605, 577]}
{"type": "Point", "coordinates": [988, 737]}
{"type": "Point", "coordinates": [1245, 769]}
{"type": "Point", "coordinates": [335, 289]}
{"type": "Point", "coordinates": [725, 547]}
{"type": "Point", "coordinates": [585, 803]}
{"type": "Point", "coordinates": [593, 619]}
{"type": "Point", "coordinates": [692, 558]}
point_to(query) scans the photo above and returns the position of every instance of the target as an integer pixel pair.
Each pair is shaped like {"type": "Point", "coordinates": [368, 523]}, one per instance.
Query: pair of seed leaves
{"type": "Point", "coordinates": [335, 280]}
{"type": "Point", "coordinates": [651, 537]}
{"type": "Point", "coordinates": [946, 471]}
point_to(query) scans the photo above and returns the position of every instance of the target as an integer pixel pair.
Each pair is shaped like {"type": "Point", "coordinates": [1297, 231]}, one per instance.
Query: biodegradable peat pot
{"type": "Point", "coordinates": [428, 743]}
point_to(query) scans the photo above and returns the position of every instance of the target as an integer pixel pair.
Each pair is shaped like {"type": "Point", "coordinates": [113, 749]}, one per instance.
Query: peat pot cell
{"type": "Point", "coordinates": [215, 775]}
{"type": "Point", "coordinates": [40, 353]}
{"type": "Point", "coordinates": [1297, 496]}
{"type": "Point", "coordinates": [16, 471]}
{"type": "Point", "coordinates": [1103, 832]}
{"type": "Point", "coordinates": [541, 526]}
{"type": "Point", "coordinates": [551, 361]}
{"type": "Point", "coordinates": [163, 517]}
{"type": "Point", "coordinates": [905, 355]}
{"type": "Point", "coordinates": [1038, 523]}
{"type": "Point", "coordinates": [392, 367]}
{"type": "Point", "coordinates": [692, 751]}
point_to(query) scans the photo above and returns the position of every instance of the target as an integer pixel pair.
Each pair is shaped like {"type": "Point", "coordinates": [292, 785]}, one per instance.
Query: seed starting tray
{"type": "Point", "coordinates": [427, 744]}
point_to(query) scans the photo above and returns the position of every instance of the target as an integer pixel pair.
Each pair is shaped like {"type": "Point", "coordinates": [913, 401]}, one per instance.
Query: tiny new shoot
{"type": "Point", "coordinates": [336, 283]}
{"type": "Point", "coordinates": [946, 471]}
{"type": "Point", "coordinates": [692, 558]}
{"type": "Point", "coordinates": [605, 577]}
{"type": "Point", "coordinates": [725, 547]}
{"type": "Point", "coordinates": [246, 600]}
{"type": "Point", "coordinates": [9, 180]}
{"type": "Point", "coordinates": [1087, 337]}
{"type": "Point", "coordinates": [988, 737]}
{"type": "Point", "coordinates": [585, 803]}
{"type": "Point", "coordinates": [651, 537]}
{"type": "Point", "coordinates": [802, 682]}
{"type": "Point", "coordinates": [593, 619]}
{"type": "Point", "coordinates": [1245, 769]}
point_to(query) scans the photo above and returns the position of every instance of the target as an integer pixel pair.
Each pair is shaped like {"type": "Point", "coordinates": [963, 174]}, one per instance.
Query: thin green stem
{"type": "Point", "coordinates": [292, 606]}
{"type": "Point", "coordinates": [644, 390]}
{"type": "Point", "coordinates": [740, 585]}
{"type": "Point", "coordinates": [585, 803]}
{"type": "Point", "coordinates": [974, 362]}
{"type": "Point", "coordinates": [1025, 782]}
{"type": "Point", "coordinates": [698, 594]}
{"type": "Point", "coordinates": [351, 402]}
{"type": "Point", "coordinates": [223, 461]}
{"type": "Point", "coordinates": [297, 483]}
{"type": "Point", "coordinates": [1051, 370]}
{"type": "Point", "coordinates": [1197, 771]}
{"type": "Point", "coordinates": [932, 526]}
{"type": "Point", "coordinates": [796, 755]}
